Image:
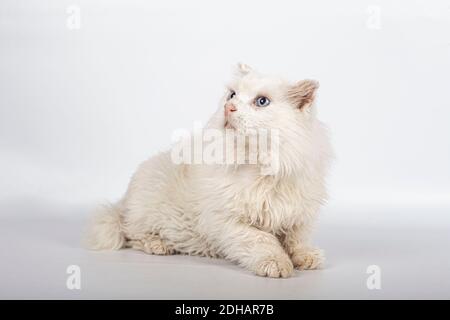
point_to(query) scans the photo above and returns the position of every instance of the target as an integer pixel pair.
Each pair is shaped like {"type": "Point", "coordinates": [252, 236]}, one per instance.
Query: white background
{"type": "Point", "coordinates": [81, 108]}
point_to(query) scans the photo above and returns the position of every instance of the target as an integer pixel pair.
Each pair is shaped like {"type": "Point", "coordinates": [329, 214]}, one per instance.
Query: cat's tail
{"type": "Point", "coordinates": [105, 231]}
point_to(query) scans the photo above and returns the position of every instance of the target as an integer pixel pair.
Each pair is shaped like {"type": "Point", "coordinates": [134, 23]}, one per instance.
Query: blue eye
{"type": "Point", "coordinates": [262, 101]}
{"type": "Point", "coordinates": [232, 95]}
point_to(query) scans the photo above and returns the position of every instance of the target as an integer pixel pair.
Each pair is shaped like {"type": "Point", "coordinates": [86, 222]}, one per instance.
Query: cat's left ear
{"type": "Point", "coordinates": [242, 69]}
{"type": "Point", "coordinates": [303, 93]}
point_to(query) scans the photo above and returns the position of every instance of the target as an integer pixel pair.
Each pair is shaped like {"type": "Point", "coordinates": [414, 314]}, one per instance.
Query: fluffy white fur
{"type": "Point", "coordinates": [262, 222]}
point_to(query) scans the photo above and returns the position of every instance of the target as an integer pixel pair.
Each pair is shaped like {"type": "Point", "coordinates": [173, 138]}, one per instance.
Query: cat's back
{"type": "Point", "coordinates": [157, 180]}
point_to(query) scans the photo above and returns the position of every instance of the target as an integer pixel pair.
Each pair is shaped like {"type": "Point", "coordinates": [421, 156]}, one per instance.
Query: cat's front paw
{"type": "Point", "coordinates": [275, 267]}
{"type": "Point", "coordinates": [308, 258]}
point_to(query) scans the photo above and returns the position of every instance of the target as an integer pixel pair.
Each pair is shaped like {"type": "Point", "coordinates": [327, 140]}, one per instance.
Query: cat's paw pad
{"type": "Point", "coordinates": [275, 268]}
{"type": "Point", "coordinates": [308, 259]}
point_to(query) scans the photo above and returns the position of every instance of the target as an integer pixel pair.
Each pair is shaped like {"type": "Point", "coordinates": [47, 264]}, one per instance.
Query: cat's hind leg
{"type": "Point", "coordinates": [151, 244]}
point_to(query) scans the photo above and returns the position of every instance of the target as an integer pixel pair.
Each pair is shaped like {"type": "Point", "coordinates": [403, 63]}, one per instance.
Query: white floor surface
{"type": "Point", "coordinates": [413, 258]}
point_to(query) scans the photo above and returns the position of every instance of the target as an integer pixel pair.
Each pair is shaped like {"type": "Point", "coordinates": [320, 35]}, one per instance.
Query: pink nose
{"type": "Point", "coordinates": [229, 108]}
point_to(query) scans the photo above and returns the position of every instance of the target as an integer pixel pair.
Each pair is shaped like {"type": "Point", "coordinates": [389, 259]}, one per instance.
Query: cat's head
{"type": "Point", "coordinates": [254, 101]}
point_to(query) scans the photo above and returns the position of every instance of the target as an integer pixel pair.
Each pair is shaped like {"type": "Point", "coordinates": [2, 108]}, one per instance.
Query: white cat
{"type": "Point", "coordinates": [258, 215]}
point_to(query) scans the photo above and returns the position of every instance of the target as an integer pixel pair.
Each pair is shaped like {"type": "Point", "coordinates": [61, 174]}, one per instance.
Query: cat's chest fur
{"type": "Point", "coordinates": [272, 206]}
{"type": "Point", "coordinates": [265, 202]}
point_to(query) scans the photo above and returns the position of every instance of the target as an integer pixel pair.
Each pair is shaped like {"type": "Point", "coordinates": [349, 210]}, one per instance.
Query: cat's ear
{"type": "Point", "coordinates": [242, 69]}
{"type": "Point", "coordinates": [302, 93]}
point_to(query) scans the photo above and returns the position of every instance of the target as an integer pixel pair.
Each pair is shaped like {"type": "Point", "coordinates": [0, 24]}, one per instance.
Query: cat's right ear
{"type": "Point", "coordinates": [303, 93]}
{"type": "Point", "coordinates": [242, 69]}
